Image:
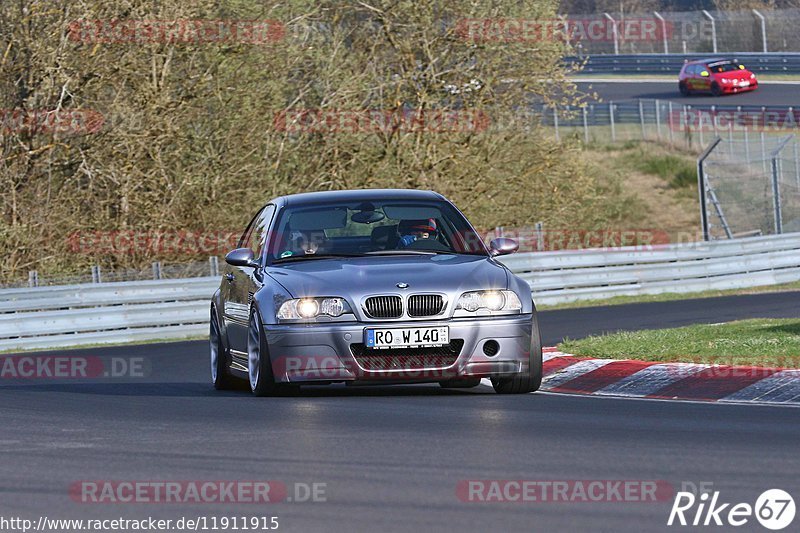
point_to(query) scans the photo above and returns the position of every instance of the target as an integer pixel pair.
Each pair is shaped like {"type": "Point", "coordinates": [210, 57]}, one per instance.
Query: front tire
{"type": "Point", "coordinates": [531, 380]}
{"type": "Point", "coordinates": [259, 365]}
{"type": "Point", "coordinates": [220, 373]}
{"type": "Point", "coordinates": [683, 89]}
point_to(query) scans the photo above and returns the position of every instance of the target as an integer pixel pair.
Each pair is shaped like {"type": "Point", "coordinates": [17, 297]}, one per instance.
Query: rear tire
{"type": "Point", "coordinates": [460, 383]}
{"type": "Point", "coordinates": [683, 89]}
{"type": "Point", "coordinates": [259, 365]}
{"type": "Point", "coordinates": [531, 380]}
{"type": "Point", "coordinates": [220, 373]}
{"type": "Point", "coordinates": [716, 90]}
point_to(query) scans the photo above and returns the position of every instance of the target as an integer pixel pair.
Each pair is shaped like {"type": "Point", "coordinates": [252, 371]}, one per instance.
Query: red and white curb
{"type": "Point", "coordinates": [566, 373]}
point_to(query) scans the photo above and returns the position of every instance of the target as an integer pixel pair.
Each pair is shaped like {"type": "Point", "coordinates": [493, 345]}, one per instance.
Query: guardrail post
{"type": "Point", "coordinates": [156, 270]}
{"type": "Point", "coordinates": [585, 125]}
{"type": "Point", "coordinates": [663, 30]}
{"type": "Point", "coordinates": [213, 265]}
{"type": "Point", "coordinates": [763, 30]}
{"type": "Point", "coordinates": [614, 32]}
{"type": "Point", "coordinates": [33, 278]}
{"type": "Point", "coordinates": [611, 119]}
{"type": "Point", "coordinates": [96, 277]}
{"type": "Point", "coordinates": [713, 29]}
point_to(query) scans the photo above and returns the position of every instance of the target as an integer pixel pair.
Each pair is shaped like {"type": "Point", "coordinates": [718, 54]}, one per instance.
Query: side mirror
{"type": "Point", "coordinates": [243, 257]}
{"type": "Point", "coordinates": [503, 246]}
{"type": "Point", "coordinates": [704, 73]}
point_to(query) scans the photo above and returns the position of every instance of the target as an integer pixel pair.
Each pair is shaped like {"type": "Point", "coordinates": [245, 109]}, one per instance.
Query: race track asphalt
{"type": "Point", "coordinates": [391, 457]}
{"type": "Point", "coordinates": [766, 95]}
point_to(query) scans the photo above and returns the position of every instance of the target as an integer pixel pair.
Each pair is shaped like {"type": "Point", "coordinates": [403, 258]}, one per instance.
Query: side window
{"type": "Point", "coordinates": [245, 238]}
{"type": "Point", "coordinates": [258, 236]}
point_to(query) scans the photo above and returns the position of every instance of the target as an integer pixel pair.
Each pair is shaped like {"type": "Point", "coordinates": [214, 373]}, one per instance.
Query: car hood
{"type": "Point", "coordinates": [734, 75]}
{"type": "Point", "coordinates": [356, 277]}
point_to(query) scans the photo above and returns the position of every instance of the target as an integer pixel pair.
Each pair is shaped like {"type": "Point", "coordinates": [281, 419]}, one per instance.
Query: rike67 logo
{"type": "Point", "coordinates": [774, 509]}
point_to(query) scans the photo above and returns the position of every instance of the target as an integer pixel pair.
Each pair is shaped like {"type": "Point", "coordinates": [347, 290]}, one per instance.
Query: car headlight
{"type": "Point", "coordinates": [311, 308]}
{"type": "Point", "coordinates": [752, 76]}
{"type": "Point", "coordinates": [493, 301]}
{"type": "Point", "coordinates": [725, 80]}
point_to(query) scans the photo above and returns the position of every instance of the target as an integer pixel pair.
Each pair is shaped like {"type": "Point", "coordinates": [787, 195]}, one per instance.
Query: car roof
{"type": "Point", "coordinates": [358, 195]}
{"type": "Point", "coordinates": [710, 60]}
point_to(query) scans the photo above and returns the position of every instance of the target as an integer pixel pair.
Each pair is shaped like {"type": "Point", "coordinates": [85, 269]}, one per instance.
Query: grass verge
{"type": "Point", "coordinates": [757, 342]}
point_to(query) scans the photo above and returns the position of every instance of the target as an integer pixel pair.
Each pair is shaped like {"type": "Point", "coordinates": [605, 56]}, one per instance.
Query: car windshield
{"type": "Point", "coordinates": [727, 66]}
{"type": "Point", "coordinates": [357, 229]}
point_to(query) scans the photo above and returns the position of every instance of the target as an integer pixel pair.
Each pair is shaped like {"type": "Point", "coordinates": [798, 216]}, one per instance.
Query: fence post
{"type": "Point", "coordinates": [614, 32]}
{"type": "Point", "coordinates": [641, 119]}
{"type": "Point", "coordinates": [776, 195]}
{"type": "Point", "coordinates": [555, 122]}
{"type": "Point", "coordinates": [96, 278]}
{"type": "Point", "coordinates": [611, 119]}
{"type": "Point", "coordinates": [585, 126]}
{"type": "Point", "coordinates": [33, 276]}
{"type": "Point", "coordinates": [663, 30]}
{"type": "Point", "coordinates": [213, 265]}
{"type": "Point", "coordinates": [714, 119]}
{"type": "Point", "coordinates": [539, 237]}
{"type": "Point", "coordinates": [670, 123]}
{"type": "Point", "coordinates": [713, 29]}
{"type": "Point", "coordinates": [701, 187]}
{"type": "Point", "coordinates": [156, 270]}
{"type": "Point", "coordinates": [763, 30]}
{"type": "Point", "coordinates": [797, 166]}
{"type": "Point", "coordinates": [763, 151]}
{"type": "Point", "coordinates": [657, 105]}
{"type": "Point", "coordinates": [746, 134]}
{"type": "Point", "coordinates": [687, 132]}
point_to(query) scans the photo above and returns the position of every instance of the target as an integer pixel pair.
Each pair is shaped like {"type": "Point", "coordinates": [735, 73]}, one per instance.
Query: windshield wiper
{"type": "Point", "coordinates": [292, 258]}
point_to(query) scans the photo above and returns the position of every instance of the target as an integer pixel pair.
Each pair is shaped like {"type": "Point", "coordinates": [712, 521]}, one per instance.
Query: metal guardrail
{"type": "Point", "coordinates": [52, 317]}
{"type": "Point", "coordinates": [785, 63]}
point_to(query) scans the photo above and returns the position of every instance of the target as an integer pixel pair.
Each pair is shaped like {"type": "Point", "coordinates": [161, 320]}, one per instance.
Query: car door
{"type": "Point", "coordinates": [243, 282]}
{"type": "Point", "coordinates": [703, 81]}
{"type": "Point", "coordinates": [692, 75]}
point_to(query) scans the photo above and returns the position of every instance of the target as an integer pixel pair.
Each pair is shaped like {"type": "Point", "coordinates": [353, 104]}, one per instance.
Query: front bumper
{"type": "Point", "coordinates": [328, 352]}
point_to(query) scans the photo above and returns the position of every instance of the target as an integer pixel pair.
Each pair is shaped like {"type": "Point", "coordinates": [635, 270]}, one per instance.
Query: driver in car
{"type": "Point", "coordinates": [411, 231]}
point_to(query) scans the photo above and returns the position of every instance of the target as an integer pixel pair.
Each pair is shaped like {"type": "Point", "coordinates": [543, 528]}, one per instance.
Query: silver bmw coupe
{"type": "Point", "coordinates": [371, 287]}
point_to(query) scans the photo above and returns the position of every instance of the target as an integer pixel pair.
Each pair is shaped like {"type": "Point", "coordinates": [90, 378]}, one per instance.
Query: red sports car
{"type": "Point", "coordinates": [715, 76]}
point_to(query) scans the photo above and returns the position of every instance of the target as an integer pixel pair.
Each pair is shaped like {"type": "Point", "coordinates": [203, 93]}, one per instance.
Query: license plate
{"type": "Point", "coordinates": [406, 337]}
{"type": "Point", "coordinates": [744, 84]}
